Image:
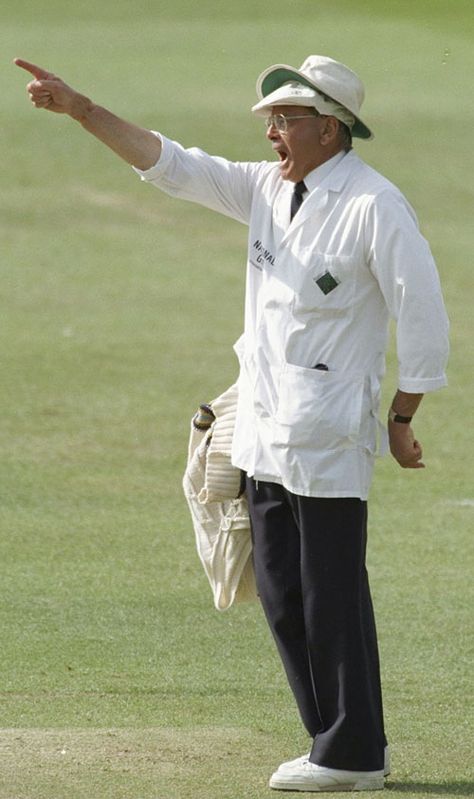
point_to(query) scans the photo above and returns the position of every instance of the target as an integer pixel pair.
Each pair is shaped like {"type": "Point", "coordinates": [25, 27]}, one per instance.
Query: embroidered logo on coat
{"type": "Point", "coordinates": [327, 282]}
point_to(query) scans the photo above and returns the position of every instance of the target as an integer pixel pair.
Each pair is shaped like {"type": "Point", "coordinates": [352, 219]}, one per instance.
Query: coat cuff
{"type": "Point", "coordinates": [413, 385]}
{"type": "Point", "coordinates": [160, 166]}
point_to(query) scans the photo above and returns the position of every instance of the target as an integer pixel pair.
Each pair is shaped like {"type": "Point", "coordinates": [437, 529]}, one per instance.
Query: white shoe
{"type": "Point", "coordinates": [310, 777]}
{"type": "Point", "coordinates": [290, 765]}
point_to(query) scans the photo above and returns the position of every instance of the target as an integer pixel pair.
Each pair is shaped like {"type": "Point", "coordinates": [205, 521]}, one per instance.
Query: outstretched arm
{"type": "Point", "coordinates": [135, 145]}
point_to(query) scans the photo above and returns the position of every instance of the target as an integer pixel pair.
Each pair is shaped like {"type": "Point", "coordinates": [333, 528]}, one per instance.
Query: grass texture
{"type": "Point", "coordinates": [120, 307]}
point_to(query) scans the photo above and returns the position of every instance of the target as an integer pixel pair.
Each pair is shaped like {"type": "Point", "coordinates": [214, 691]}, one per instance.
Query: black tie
{"type": "Point", "coordinates": [297, 197]}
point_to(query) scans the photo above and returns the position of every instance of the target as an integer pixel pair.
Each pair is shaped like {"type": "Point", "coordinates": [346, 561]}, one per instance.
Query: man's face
{"type": "Point", "coordinates": [299, 149]}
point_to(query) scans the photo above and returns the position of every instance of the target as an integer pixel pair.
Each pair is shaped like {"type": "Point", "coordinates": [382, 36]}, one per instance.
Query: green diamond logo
{"type": "Point", "coordinates": [327, 282]}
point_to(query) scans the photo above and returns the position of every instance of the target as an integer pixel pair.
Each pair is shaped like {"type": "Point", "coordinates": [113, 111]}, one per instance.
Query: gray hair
{"type": "Point", "coordinates": [345, 136]}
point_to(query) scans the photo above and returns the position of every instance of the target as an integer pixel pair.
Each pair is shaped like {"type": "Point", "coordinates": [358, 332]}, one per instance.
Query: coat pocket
{"type": "Point", "coordinates": [318, 410]}
{"type": "Point", "coordinates": [328, 284]}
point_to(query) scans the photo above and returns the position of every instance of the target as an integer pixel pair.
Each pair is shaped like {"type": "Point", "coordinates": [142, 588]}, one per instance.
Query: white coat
{"type": "Point", "coordinates": [320, 290]}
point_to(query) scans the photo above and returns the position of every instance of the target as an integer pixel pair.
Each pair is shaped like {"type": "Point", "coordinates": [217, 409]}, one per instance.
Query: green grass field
{"type": "Point", "coordinates": [120, 306]}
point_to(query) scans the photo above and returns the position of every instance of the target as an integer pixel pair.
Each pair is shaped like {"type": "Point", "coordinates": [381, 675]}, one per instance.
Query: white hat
{"type": "Point", "coordinates": [322, 83]}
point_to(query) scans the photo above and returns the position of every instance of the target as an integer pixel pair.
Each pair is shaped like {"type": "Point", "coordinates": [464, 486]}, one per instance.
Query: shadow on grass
{"type": "Point", "coordinates": [457, 788]}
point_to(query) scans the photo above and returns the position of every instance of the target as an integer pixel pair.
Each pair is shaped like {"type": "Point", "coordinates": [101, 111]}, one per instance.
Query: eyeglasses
{"type": "Point", "coordinates": [280, 121]}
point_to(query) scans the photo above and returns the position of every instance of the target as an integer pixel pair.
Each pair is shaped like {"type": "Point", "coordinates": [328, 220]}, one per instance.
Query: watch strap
{"type": "Point", "coordinates": [396, 417]}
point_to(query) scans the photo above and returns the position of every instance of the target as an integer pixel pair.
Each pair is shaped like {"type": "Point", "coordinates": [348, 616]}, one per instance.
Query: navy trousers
{"type": "Point", "coordinates": [309, 556]}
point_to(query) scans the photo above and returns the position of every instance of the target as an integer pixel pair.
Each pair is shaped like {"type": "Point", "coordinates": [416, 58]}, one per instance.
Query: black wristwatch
{"type": "Point", "coordinates": [395, 417]}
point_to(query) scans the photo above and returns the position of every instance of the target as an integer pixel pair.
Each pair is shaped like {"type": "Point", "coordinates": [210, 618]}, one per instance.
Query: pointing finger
{"type": "Point", "coordinates": [38, 72]}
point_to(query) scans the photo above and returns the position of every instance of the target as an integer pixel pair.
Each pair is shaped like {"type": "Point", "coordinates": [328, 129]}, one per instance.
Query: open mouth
{"type": "Point", "coordinates": [282, 154]}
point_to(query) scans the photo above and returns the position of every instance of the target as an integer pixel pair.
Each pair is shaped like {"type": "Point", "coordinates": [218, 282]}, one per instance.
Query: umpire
{"type": "Point", "coordinates": [334, 252]}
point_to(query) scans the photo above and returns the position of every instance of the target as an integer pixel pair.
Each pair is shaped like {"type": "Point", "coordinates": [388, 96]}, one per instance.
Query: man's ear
{"type": "Point", "coordinates": [329, 130]}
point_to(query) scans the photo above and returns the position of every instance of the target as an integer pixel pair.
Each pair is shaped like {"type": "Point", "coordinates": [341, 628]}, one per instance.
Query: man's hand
{"type": "Point", "coordinates": [50, 92]}
{"type": "Point", "coordinates": [404, 447]}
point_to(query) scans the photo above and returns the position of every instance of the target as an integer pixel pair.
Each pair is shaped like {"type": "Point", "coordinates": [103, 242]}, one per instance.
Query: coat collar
{"type": "Point", "coordinates": [335, 181]}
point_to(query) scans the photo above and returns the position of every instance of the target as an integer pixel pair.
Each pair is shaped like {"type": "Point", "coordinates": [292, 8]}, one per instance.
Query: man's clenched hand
{"type": "Point", "coordinates": [404, 447]}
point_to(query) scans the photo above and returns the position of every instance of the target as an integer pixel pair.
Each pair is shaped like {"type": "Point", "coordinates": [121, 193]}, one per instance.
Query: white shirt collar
{"type": "Point", "coordinates": [314, 178]}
